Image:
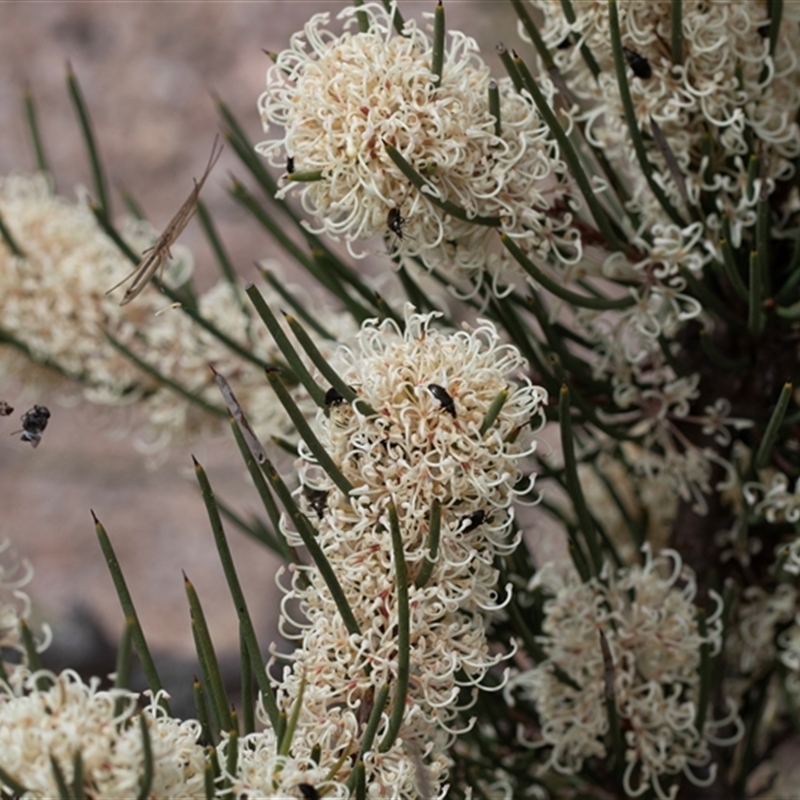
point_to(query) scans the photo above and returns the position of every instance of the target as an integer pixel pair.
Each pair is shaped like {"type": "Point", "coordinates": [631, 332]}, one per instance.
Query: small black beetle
{"type": "Point", "coordinates": [471, 521]}
{"type": "Point", "coordinates": [333, 397]}
{"type": "Point", "coordinates": [442, 395]}
{"type": "Point", "coordinates": [638, 63]}
{"type": "Point", "coordinates": [395, 222]}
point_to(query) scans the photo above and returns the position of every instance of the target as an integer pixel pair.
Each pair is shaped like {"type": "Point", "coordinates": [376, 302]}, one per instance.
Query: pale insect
{"type": "Point", "coordinates": [153, 257]}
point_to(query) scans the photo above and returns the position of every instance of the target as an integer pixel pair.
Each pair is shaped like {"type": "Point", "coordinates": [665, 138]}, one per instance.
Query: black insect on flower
{"type": "Point", "coordinates": [395, 222]}
{"type": "Point", "coordinates": [290, 164]}
{"type": "Point", "coordinates": [442, 395]}
{"type": "Point", "coordinates": [5, 409]}
{"type": "Point", "coordinates": [564, 44]}
{"type": "Point", "coordinates": [308, 791]}
{"type": "Point", "coordinates": [317, 499]}
{"type": "Point", "coordinates": [638, 63]}
{"type": "Point", "coordinates": [333, 397]}
{"type": "Point", "coordinates": [471, 521]}
{"type": "Point", "coordinates": [34, 422]}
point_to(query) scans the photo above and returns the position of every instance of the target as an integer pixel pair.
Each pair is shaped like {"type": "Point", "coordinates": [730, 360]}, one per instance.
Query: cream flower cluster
{"type": "Point", "coordinates": [751, 643]}
{"type": "Point", "coordinates": [724, 97]}
{"type": "Point", "coordinates": [726, 89]}
{"type": "Point", "coordinates": [430, 391]}
{"type": "Point", "coordinates": [340, 99]}
{"type": "Point", "coordinates": [53, 300]}
{"type": "Point", "coordinates": [647, 616]}
{"type": "Point", "coordinates": [15, 607]}
{"type": "Point", "coordinates": [774, 498]}
{"type": "Point", "coordinates": [41, 725]}
{"type": "Point", "coordinates": [261, 771]}
{"type": "Point", "coordinates": [766, 632]}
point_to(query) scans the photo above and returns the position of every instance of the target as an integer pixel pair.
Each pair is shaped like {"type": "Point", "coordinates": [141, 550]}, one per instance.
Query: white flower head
{"type": "Point", "coordinates": [648, 619]}
{"type": "Point", "coordinates": [416, 435]}
{"type": "Point", "coordinates": [432, 391]}
{"type": "Point", "coordinates": [38, 725]}
{"type": "Point", "coordinates": [341, 99]}
{"type": "Point", "coordinates": [725, 87]}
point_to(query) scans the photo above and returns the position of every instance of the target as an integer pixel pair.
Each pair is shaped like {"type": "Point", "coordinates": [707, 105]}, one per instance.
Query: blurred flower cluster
{"type": "Point", "coordinates": [54, 302]}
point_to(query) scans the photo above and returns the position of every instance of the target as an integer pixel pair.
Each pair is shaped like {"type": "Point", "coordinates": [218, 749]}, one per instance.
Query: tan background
{"type": "Point", "coordinates": [147, 70]}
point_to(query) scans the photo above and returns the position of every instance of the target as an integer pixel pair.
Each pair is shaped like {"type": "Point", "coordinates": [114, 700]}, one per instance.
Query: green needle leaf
{"type": "Point", "coordinates": [264, 493]}
{"type": "Point", "coordinates": [573, 482]}
{"type": "Point", "coordinates": [729, 267]}
{"type": "Point", "coordinates": [33, 128]}
{"type": "Point", "coordinates": [207, 224]}
{"type": "Point", "coordinates": [245, 621]}
{"type": "Point", "coordinates": [309, 437]}
{"type": "Point", "coordinates": [77, 777]}
{"type": "Point", "coordinates": [306, 177]}
{"type": "Point", "coordinates": [282, 340]}
{"type": "Point", "coordinates": [756, 319]}
{"type": "Point", "coordinates": [533, 32]}
{"type": "Point", "coordinates": [511, 69]}
{"type": "Point", "coordinates": [431, 545]}
{"type": "Point", "coordinates": [147, 751]}
{"type": "Point", "coordinates": [403, 633]}
{"type": "Point", "coordinates": [321, 363]}
{"type": "Point", "coordinates": [61, 782]}
{"type": "Point", "coordinates": [552, 286]}
{"type": "Point", "coordinates": [123, 670]}
{"type": "Point", "coordinates": [363, 19]}
{"type": "Point", "coordinates": [773, 427]}
{"type": "Point", "coordinates": [676, 39]}
{"type": "Point", "coordinates": [285, 745]}
{"type": "Point", "coordinates": [397, 20]}
{"type": "Point", "coordinates": [187, 394]}
{"type": "Point", "coordinates": [763, 241]}
{"type": "Point", "coordinates": [32, 656]}
{"type": "Point", "coordinates": [630, 116]}
{"type": "Point", "coordinates": [494, 106]}
{"type": "Point", "coordinates": [131, 617]}
{"type": "Point", "coordinates": [308, 535]}
{"type": "Point", "coordinates": [706, 674]}
{"type": "Point", "coordinates": [433, 194]}
{"type": "Point", "coordinates": [201, 708]}
{"type": "Point", "coordinates": [91, 146]}
{"type": "Point", "coordinates": [437, 62]}
{"type": "Point", "coordinates": [569, 155]}
{"type": "Point", "coordinates": [586, 53]}
{"type": "Point", "coordinates": [211, 773]}
{"type": "Point", "coordinates": [304, 528]}
{"type": "Point", "coordinates": [17, 789]}
{"type": "Point", "coordinates": [233, 753]}
{"type": "Point", "coordinates": [493, 411]}
{"type": "Point", "coordinates": [9, 240]}
{"type": "Point", "coordinates": [369, 732]}
{"type": "Point", "coordinates": [248, 696]}
{"type": "Point", "coordinates": [208, 657]}
{"type": "Point", "coordinates": [296, 306]}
